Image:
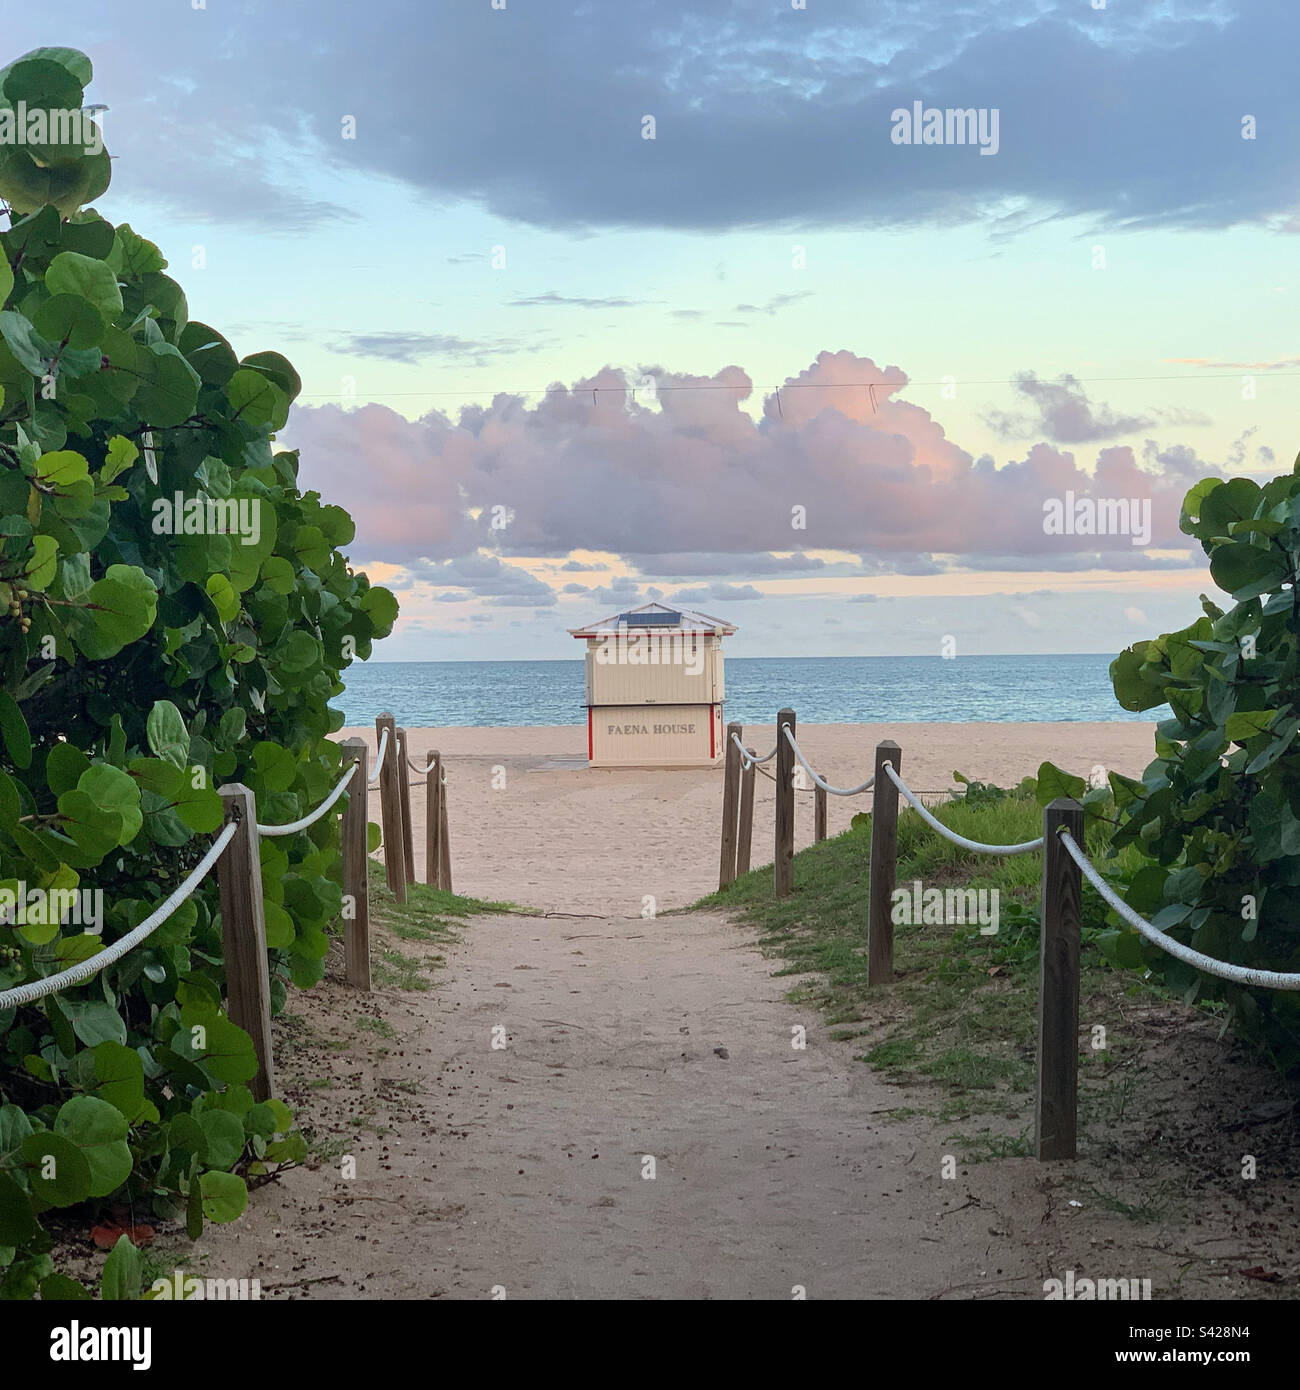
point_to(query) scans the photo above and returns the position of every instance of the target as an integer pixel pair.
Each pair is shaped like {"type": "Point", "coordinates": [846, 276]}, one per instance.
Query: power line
{"type": "Point", "coordinates": [785, 386]}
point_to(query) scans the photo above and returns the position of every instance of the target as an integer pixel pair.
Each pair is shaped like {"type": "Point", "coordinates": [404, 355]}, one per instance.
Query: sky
{"type": "Point", "coordinates": [624, 300]}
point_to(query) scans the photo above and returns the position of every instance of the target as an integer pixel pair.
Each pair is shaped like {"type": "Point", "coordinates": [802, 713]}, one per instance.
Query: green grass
{"type": "Point", "coordinates": [428, 915]}
{"type": "Point", "coordinates": [961, 1013]}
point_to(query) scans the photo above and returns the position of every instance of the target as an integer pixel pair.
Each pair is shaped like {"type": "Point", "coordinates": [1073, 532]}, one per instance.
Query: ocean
{"type": "Point", "coordinates": [821, 690]}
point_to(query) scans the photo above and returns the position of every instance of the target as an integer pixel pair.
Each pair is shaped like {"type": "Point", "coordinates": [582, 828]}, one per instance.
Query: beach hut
{"type": "Point", "coordinates": [654, 687]}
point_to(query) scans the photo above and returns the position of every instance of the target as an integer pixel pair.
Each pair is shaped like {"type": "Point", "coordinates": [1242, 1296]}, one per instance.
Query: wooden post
{"type": "Point", "coordinates": [819, 812]}
{"type": "Point", "coordinates": [356, 864]}
{"type": "Point", "coordinates": [404, 782]}
{"type": "Point", "coordinates": [243, 933]}
{"type": "Point", "coordinates": [433, 821]}
{"type": "Point", "coordinates": [444, 838]}
{"type": "Point", "coordinates": [1056, 1101]}
{"type": "Point", "coordinates": [730, 805]}
{"type": "Point", "coordinates": [745, 834]}
{"type": "Point", "coordinates": [390, 808]}
{"type": "Point", "coordinates": [783, 849]}
{"type": "Point", "coordinates": [884, 853]}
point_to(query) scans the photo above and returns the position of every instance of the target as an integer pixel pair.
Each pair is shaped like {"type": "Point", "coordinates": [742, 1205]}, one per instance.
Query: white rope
{"type": "Point", "coordinates": [379, 759]}
{"type": "Point", "coordinates": [747, 758]}
{"type": "Point", "coordinates": [294, 826]}
{"type": "Point", "coordinates": [420, 771]}
{"type": "Point", "coordinates": [83, 970]}
{"type": "Point", "coordinates": [825, 786]}
{"type": "Point", "coordinates": [956, 839]}
{"type": "Point", "coordinates": [1241, 974]}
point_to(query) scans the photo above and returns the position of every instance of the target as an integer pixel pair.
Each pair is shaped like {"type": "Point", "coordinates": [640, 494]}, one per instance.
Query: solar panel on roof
{"type": "Point", "coordinates": [650, 619]}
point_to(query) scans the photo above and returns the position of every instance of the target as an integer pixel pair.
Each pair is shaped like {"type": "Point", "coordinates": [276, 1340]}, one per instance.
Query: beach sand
{"type": "Point", "coordinates": [558, 835]}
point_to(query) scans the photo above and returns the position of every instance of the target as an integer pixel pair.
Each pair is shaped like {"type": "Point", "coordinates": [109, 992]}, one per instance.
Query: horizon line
{"type": "Point", "coordinates": [832, 656]}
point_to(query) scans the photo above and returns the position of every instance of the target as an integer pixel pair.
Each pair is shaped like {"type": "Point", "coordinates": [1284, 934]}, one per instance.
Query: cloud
{"type": "Point", "coordinates": [1062, 414]}
{"type": "Point", "coordinates": [553, 300]}
{"type": "Point", "coordinates": [702, 565]}
{"type": "Point", "coordinates": [717, 593]}
{"type": "Point", "coordinates": [773, 305]}
{"type": "Point", "coordinates": [485, 576]}
{"type": "Point", "coordinates": [1275, 364]}
{"type": "Point", "coordinates": [696, 475]}
{"type": "Point", "coordinates": [413, 348]}
{"type": "Point", "coordinates": [764, 116]}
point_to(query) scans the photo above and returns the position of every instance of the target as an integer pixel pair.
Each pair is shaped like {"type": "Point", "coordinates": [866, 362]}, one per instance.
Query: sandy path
{"type": "Point", "coordinates": [522, 1167]}
{"type": "Point", "coordinates": [531, 823]}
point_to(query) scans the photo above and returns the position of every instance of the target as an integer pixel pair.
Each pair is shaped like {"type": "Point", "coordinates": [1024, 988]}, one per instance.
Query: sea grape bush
{"type": "Point", "coordinates": [141, 666]}
{"type": "Point", "coordinates": [1217, 814]}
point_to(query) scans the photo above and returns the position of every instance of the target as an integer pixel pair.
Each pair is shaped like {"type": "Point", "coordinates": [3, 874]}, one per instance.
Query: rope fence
{"type": "Point", "coordinates": [974, 845]}
{"type": "Point", "coordinates": [379, 758]}
{"type": "Point", "coordinates": [74, 975]}
{"type": "Point", "coordinates": [235, 857]}
{"type": "Point", "coordinates": [1224, 970]}
{"type": "Point", "coordinates": [1065, 865]}
{"type": "Point", "coordinates": [271, 831]}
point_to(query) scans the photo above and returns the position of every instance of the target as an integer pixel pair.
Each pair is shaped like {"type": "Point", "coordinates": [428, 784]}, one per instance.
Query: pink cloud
{"type": "Point", "coordinates": [609, 472]}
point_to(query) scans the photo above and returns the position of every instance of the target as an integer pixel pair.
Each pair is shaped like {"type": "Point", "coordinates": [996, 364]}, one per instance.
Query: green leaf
{"type": "Point", "coordinates": [256, 400]}
{"type": "Point", "coordinates": [277, 369]}
{"type": "Point", "coordinates": [122, 608]}
{"type": "Point", "coordinates": [95, 1022]}
{"type": "Point", "coordinates": [17, 1221]}
{"type": "Point", "coordinates": [1052, 782]}
{"type": "Point", "coordinates": [168, 737]}
{"type": "Point", "coordinates": [279, 927]}
{"type": "Point", "coordinates": [43, 565]}
{"type": "Point", "coordinates": [99, 1130]}
{"type": "Point", "coordinates": [224, 599]}
{"type": "Point", "coordinates": [91, 280]}
{"type": "Point", "coordinates": [123, 1273]}
{"type": "Point", "coordinates": [106, 802]}
{"type": "Point", "coordinates": [194, 1212]}
{"type": "Point", "coordinates": [278, 573]}
{"type": "Point", "coordinates": [1246, 570]}
{"type": "Point", "coordinates": [225, 1138]}
{"type": "Point", "coordinates": [21, 337]}
{"type": "Point", "coordinates": [14, 730]}
{"type": "Point", "coordinates": [277, 770]}
{"type": "Point", "coordinates": [226, 1051]}
{"type": "Point", "coordinates": [70, 321]}
{"type": "Point", "coordinates": [200, 808]}
{"type": "Point", "coordinates": [209, 353]}
{"type": "Point", "coordinates": [56, 1169]}
{"type": "Point", "coordinates": [41, 83]}
{"type": "Point", "coordinates": [170, 390]}
{"type": "Point", "coordinates": [1247, 723]}
{"type": "Point", "coordinates": [120, 1074]}
{"type": "Point", "coordinates": [62, 1288]}
{"type": "Point", "coordinates": [133, 257]}
{"type": "Point", "coordinates": [381, 608]}
{"type": "Point", "coordinates": [119, 456]}
{"type": "Point", "coordinates": [224, 1196]}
